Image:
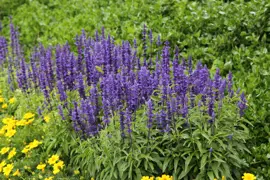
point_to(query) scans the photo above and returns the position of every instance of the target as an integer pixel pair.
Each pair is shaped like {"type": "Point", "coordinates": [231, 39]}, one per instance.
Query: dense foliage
{"type": "Point", "coordinates": [210, 31]}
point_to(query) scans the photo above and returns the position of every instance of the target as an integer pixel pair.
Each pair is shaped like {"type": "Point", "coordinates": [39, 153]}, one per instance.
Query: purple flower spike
{"type": "Point", "coordinates": [61, 91]}
{"type": "Point", "coordinates": [81, 86]}
{"type": "Point", "coordinates": [217, 81]}
{"type": "Point", "coordinates": [60, 111]}
{"type": "Point", "coordinates": [189, 64]}
{"type": "Point", "coordinates": [150, 36]}
{"type": "Point", "coordinates": [242, 104]}
{"type": "Point", "coordinates": [122, 124]}
{"type": "Point", "coordinates": [212, 120]}
{"type": "Point", "coordinates": [222, 88]}
{"type": "Point", "coordinates": [158, 41]}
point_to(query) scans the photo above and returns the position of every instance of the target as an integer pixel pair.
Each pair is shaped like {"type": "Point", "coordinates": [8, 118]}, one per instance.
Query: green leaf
{"type": "Point", "coordinates": [176, 161]}
{"type": "Point", "coordinates": [215, 167]}
{"type": "Point", "coordinates": [99, 69]}
{"type": "Point", "coordinates": [188, 161]}
{"type": "Point", "coordinates": [199, 145]}
{"type": "Point", "coordinates": [203, 161]}
{"type": "Point", "coordinates": [184, 173]}
{"type": "Point", "coordinates": [165, 164]}
{"type": "Point", "coordinates": [210, 174]}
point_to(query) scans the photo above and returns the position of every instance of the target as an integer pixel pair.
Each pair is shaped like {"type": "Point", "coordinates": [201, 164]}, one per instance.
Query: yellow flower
{"type": "Point", "coordinates": [165, 177]}
{"type": "Point", "coordinates": [2, 99]}
{"type": "Point", "coordinates": [34, 144]}
{"type": "Point", "coordinates": [8, 169]}
{"type": "Point", "coordinates": [92, 179]}
{"type": "Point", "coordinates": [47, 119]}
{"type": "Point", "coordinates": [49, 178]}
{"type": "Point", "coordinates": [147, 178]}
{"type": "Point", "coordinates": [60, 164]}
{"type": "Point", "coordinates": [223, 178]}
{"type": "Point", "coordinates": [29, 121]}
{"type": "Point", "coordinates": [11, 100]}
{"type": "Point", "coordinates": [12, 153]}
{"type": "Point", "coordinates": [53, 159]}
{"type": "Point", "coordinates": [25, 150]}
{"type": "Point", "coordinates": [21, 123]}
{"type": "Point", "coordinates": [56, 170]}
{"type": "Point", "coordinates": [248, 176]}
{"type": "Point", "coordinates": [2, 131]}
{"type": "Point", "coordinates": [10, 133]}
{"type": "Point", "coordinates": [4, 150]}
{"type": "Point", "coordinates": [28, 116]}
{"type": "Point", "coordinates": [76, 172]}
{"type": "Point", "coordinates": [4, 106]}
{"type": "Point", "coordinates": [8, 121]}
{"type": "Point", "coordinates": [17, 173]}
{"type": "Point", "coordinates": [41, 167]}
{"type": "Point", "coordinates": [31, 145]}
{"type": "Point", "coordinates": [2, 164]}
{"type": "Point", "coordinates": [24, 122]}
{"type": "Point", "coordinates": [57, 167]}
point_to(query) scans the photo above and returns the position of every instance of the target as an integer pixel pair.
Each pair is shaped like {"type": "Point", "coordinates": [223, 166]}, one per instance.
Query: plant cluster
{"type": "Point", "coordinates": [135, 115]}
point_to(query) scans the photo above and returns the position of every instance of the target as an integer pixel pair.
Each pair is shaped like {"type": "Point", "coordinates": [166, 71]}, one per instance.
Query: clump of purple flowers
{"type": "Point", "coordinates": [114, 81]}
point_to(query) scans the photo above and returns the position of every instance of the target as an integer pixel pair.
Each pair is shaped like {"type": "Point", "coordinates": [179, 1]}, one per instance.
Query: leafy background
{"type": "Point", "coordinates": [231, 35]}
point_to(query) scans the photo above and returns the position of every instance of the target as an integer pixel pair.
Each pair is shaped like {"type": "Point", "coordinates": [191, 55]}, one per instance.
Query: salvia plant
{"type": "Point", "coordinates": [137, 111]}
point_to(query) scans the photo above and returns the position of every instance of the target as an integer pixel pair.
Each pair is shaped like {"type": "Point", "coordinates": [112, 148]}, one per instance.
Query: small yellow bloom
{"type": "Point", "coordinates": [8, 169]}
{"type": "Point", "coordinates": [165, 177]}
{"type": "Point", "coordinates": [10, 133]}
{"type": "Point", "coordinates": [248, 176]}
{"type": "Point", "coordinates": [2, 164]}
{"type": "Point", "coordinates": [31, 145]}
{"type": "Point", "coordinates": [92, 179]}
{"type": "Point", "coordinates": [29, 121]}
{"type": "Point", "coordinates": [223, 178]}
{"type": "Point", "coordinates": [147, 178]}
{"type": "Point", "coordinates": [53, 159]}
{"type": "Point", "coordinates": [28, 116]}
{"type": "Point", "coordinates": [76, 172]}
{"type": "Point", "coordinates": [34, 144]}
{"type": "Point", "coordinates": [2, 99]}
{"type": "Point", "coordinates": [41, 167]}
{"type": "Point", "coordinates": [17, 173]}
{"type": "Point", "coordinates": [4, 150]}
{"type": "Point", "coordinates": [8, 121]}
{"type": "Point", "coordinates": [25, 150]}
{"type": "Point", "coordinates": [59, 165]}
{"type": "Point", "coordinates": [47, 119]}
{"type": "Point", "coordinates": [55, 170]}
{"type": "Point", "coordinates": [11, 100]}
{"type": "Point", "coordinates": [2, 131]}
{"type": "Point", "coordinates": [12, 153]}
{"type": "Point", "coordinates": [4, 106]}
{"type": "Point", "coordinates": [21, 123]}
{"type": "Point", "coordinates": [49, 178]}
